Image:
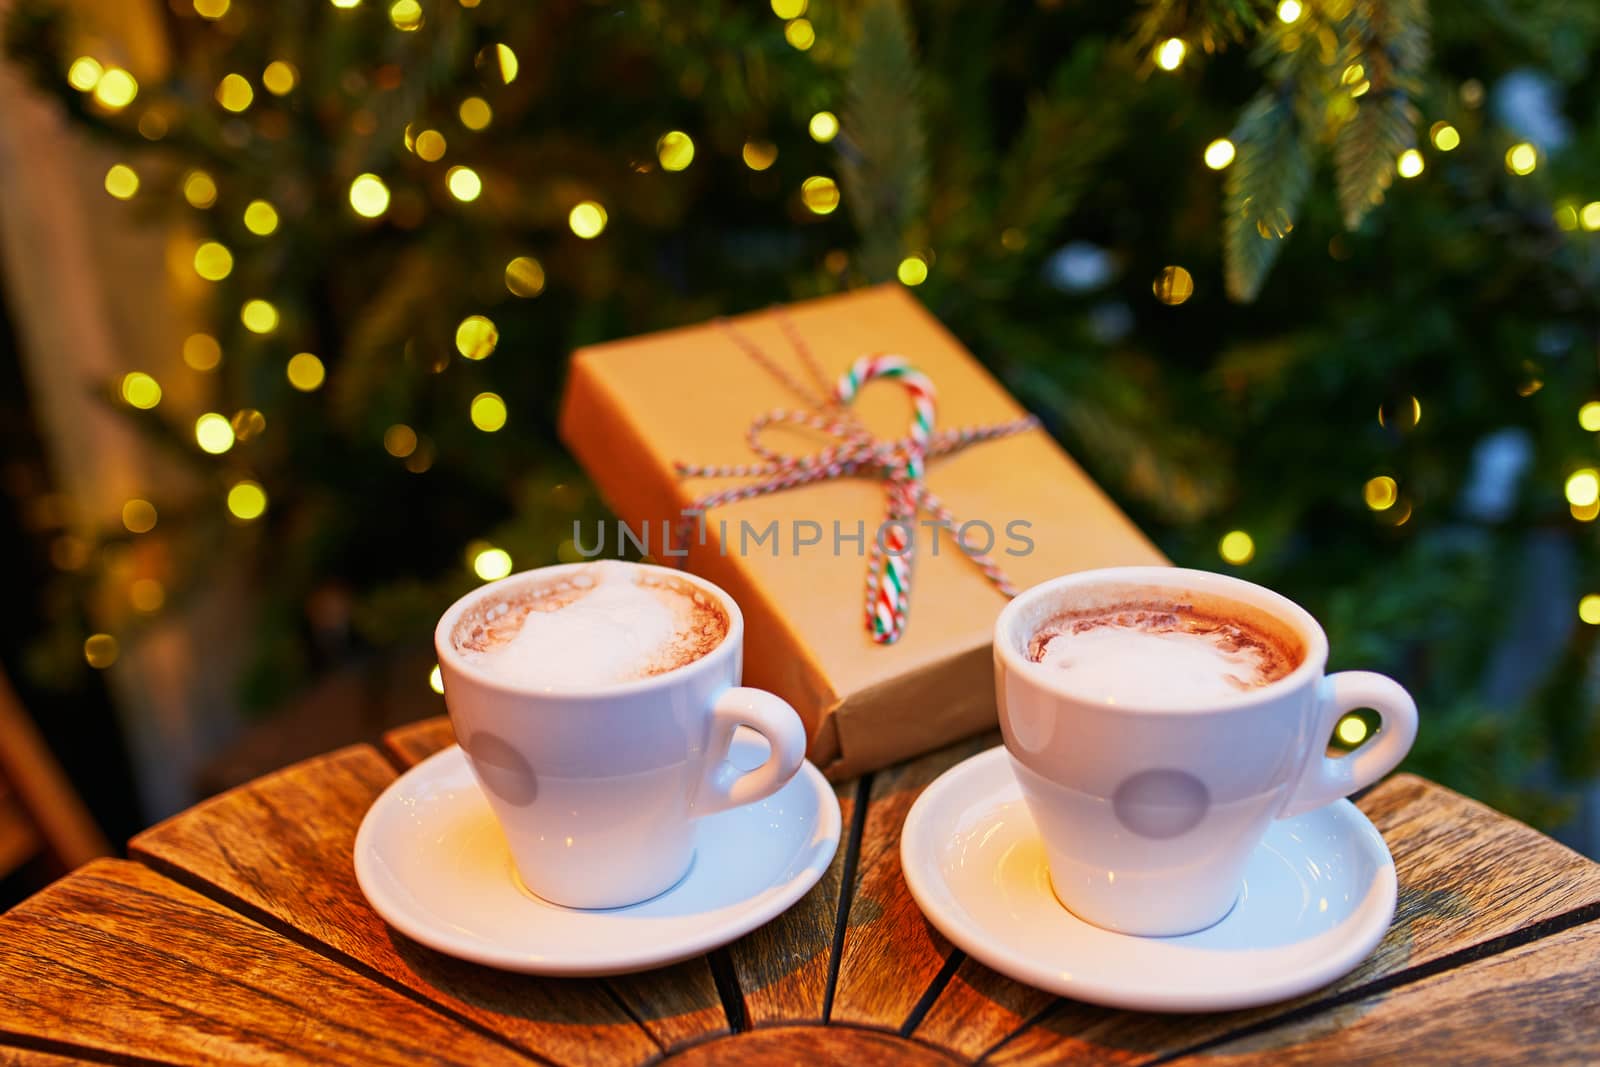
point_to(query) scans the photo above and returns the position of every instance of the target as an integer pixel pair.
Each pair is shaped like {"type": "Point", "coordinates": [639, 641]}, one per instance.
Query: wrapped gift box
{"type": "Point", "coordinates": [634, 408]}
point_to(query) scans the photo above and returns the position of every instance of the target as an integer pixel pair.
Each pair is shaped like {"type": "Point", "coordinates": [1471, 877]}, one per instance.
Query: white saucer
{"type": "Point", "coordinates": [1319, 893]}
{"type": "Point", "coordinates": [432, 861]}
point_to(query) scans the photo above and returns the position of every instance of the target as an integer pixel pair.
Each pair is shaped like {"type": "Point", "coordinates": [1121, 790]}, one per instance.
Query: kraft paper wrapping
{"type": "Point", "coordinates": [632, 408]}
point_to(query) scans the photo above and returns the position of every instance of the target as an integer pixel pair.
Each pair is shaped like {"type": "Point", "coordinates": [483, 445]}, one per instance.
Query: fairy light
{"type": "Point", "coordinates": [820, 195]}
{"type": "Point", "coordinates": [463, 183]}
{"type": "Point", "coordinates": [788, 9]}
{"type": "Point", "coordinates": [369, 196]}
{"type": "Point", "coordinates": [436, 680]}
{"type": "Point", "coordinates": [1589, 609]}
{"type": "Point", "coordinates": [247, 501]}
{"type": "Point", "coordinates": [506, 61]}
{"type": "Point", "coordinates": [259, 316]}
{"type": "Point", "coordinates": [913, 270]}
{"type": "Point", "coordinates": [406, 15]}
{"type": "Point", "coordinates": [525, 277]}
{"type": "Point", "coordinates": [280, 77]}
{"type": "Point", "coordinates": [675, 150]}
{"type": "Point", "coordinates": [1219, 153]}
{"type": "Point", "coordinates": [488, 412]}
{"type": "Point", "coordinates": [587, 219]}
{"type": "Point", "coordinates": [759, 155]}
{"type": "Point", "coordinates": [491, 564]}
{"type": "Point", "coordinates": [84, 74]}
{"type": "Point", "coordinates": [1583, 487]}
{"type": "Point", "coordinates": [1589, 416]}
{"type": "Point", "coordinates": [199, 189]}
{"type": "Point", "coordinates": [1170, 53]}
{"type": "Point", "coordinates": [1381, 492]}
{"type": "Point", "coordinates": [1522, 158]}
{"type": "Point", "coordinates": [345, 5]}
{"type": "Point", "coordinates": [800, 34]}
{"type": "Point", "coordinates": [213, 261]}
{"type": "Point", "coordinates": [234, 93]}
{"type": "Point", "coordinates": [100, 650]}
{"type": "Point", "coordinates": [399, 440]}
{"type": "Point", "coordinates": [1352, 730]}
{"type": "Point", "coordinates": [115, 89]}
{"type": "Point", "coordinates": [1173, 286]}
{"type": "Point", "coordinates": [122, 181]}
{"type": "Point", "coordinates": [476, 337]}
{"type": "Point", "coordinates": [823, 127]}
{"type": "Point", "coordinates": [1410, 163]}
{"type": "Point", "coordinates": [305, 372]}
{"type": "Point", "coordinates": [260, 218]}
{"type": "Point", "coordinates": [430, 146]}
{"type": "Point", "coordinates": [211, 9]}
{"type": "Point", "coordinates": [1289, 11]}
{"type": "Point", "coordinates": [213, 433]}
{"type": "Point", "coordinates": [1237, 547]}
{"type": "Point", "coordinates": [146, 595]}
{"type": "Point", "coordinates": [1589, 216]}
{"type": "Point", "coordinates": [138, 516]}
{"type": "Point", "coordinates": [141, 391]}
{"type": "Point", "coordinates": [475, 113]}
{"type": "Point", "coordinates": [1445, 137]}
{"type": "Point", "coordinates": [201, 352]}
{"type": "Point", "coordinates": [248, 423]}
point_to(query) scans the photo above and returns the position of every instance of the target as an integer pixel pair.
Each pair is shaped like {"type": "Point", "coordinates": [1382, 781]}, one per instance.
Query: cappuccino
{"type": "Point", "coordinates": [1163, 653]}
{"type": "Point", "coordinates": [603, 624]}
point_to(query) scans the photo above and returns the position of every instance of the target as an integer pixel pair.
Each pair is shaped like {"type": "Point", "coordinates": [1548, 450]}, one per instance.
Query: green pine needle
{"type": "Point", "coordinates": [1265, 187]}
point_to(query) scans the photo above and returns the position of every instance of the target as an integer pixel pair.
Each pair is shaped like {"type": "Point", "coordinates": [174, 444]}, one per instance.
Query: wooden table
{"type": "Point", "coordinates": [236, 934]}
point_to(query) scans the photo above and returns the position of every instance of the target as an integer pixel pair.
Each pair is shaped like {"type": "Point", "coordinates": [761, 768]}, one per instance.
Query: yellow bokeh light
{"type": "Point", "coordinates": [1237, 547]}
{"type": "Point", "coordinates": [139, 516]}
{"type": "Point", "coordinates": [759, 155]}
{"type": "Point", "coordinates": [369, 196]}
{"type": "Point", "coordinates": [306, 372]}
{"type": "Point", "coordinates": [1380, 493]}
{"type": "Point", "coordinates": [152, 125]}
{"type": "Point", "coordinates": [1170, 53]}
{"type": "Point", "coordinates": [1173, 286]}
{"type": "Point", "coordinates": [1589, 216]}
{"type": "Point", "coordinates": [820, 195]}
{"type": "Point", "coordinates": [399, 440]}
{"type": "Point", "coordinates": [247, 501]}
{"type": "Point", "coordinates": [345, 5]}
{"type": "Point", "coordinates": [1566, 216]}
{"type": "Point", "coordinates": [1410, 163]}
{"type": "Point", "coordinates": [115, 89]}
{"type": "Point", "coordinates": [1589, 416]}
{"type": "Point", "coordinates": [201, 352]}
{"type": "Point", "coordinates": [488, 412]}
{"type": "Point", "coordinates": [1586, 513]}
{"type": "Point", "coordinates": [788, 9]}
{"type": "Point", "coordinates": [259, 316]}
{"type": "Point", "coordinates": [463, 183]}
{"type": "Point", "coordinates": [1289, 11]}
{"type": "Point", "coordinates": [1583, 487]}
{"type": "Point", "coordinates": [587, 219]}
{"type": "Point", "coordinates": [1522, 158]}
{"type": "Point", "coordinates": [476, 337]}
{"type": "Point", "coordinates": [525, 277]}
{"type": "Point", "coordinates": [122, 181]}
{"type": "Point", "coordinates": [199, 189]}
{"type": "Point", "coordinates": [1445, 137]}
{"type": "Point", "coordinates": [507, 61]}
{"type": "Point", "coordinates": [823, 127]}
{"type": "Point", "coordinates": [140, 390]}
{"type": "Point", "coordinates": [800, 33]}
{"type": "Point", "coordinates": [675, 150]}
{"type": "Point", "coordinates": [1219, 153]}
{"type": "Point", "coordinates": [491, 563]}
{"type": "Point", "coordinates": [101, 651]}
{"type": "Point", "coordinates": [234, 92]}
{"type": "Point", "coordinates": [430, 145]}
{"type": "Point", "coordinates": [1352, 730]}
{"type": "Point", "coordinates": [248, 423]}
{"type": "Point", "coordinates": [1589, 609]}
{"type": "Point", "coordinates": [406, 15]}
{"type": "Point", "coordinates": [84, 74]}
{"type": "Point", "coordinates": [913, 270]}
{"type": "Point", "coordinates": [280, 77]}
{"type": "Point", "coordinates": [260, 218]}
{"type": "Point", "coordinates": [211, 9]}
{"type": "Point", "coordinates": [146, 595]}
{"type": "Point", "coordinates": [475, 113]}
{"type": "Point", "coordinates": [213, 261]}
{"type": "Point", "coordinates": [213, 433]}
{"type": "Point", "coordinates": [436, 680]}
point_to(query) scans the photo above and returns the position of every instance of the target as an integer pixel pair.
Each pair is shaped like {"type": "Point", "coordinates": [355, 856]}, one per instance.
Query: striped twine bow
{"type": "Point", "coordinates": [902, 463]}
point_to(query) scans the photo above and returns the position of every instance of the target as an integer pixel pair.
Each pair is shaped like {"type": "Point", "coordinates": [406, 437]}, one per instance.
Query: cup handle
{"type": "Point", "coordinates": [726, 786]}
{"type": "Point", "coordinates": [1326, 779]}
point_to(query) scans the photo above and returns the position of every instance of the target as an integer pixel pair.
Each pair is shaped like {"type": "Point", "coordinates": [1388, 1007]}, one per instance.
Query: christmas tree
{"type": "Point", "coordinates": [1310, 288]}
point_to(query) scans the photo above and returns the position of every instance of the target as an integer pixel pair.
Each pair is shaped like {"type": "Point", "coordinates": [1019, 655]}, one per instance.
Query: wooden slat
{"type": "Point", "coordinates": [41, 788]}
{"type": "Point", "coordinates": [19, 839]}
{"type": "Point", "coordinates": [782, 968]}
{"type": "Point", "coordinates": [813, 1046]}
{"type": "Point", "coordinates": [1537, 1004]}
{"type": "Point", "coordinates": [1467, 875]}
{"type": "Point", "coordinates": [417, 741]}
{"type": "Point", "coordinates": [282, 846]}
{"type": "Point", "coordinates": [120, 960]}
{"type": "Point", "coordinates": [676, 1005]}
{"type": "Point", "coordinates": [891, 954]}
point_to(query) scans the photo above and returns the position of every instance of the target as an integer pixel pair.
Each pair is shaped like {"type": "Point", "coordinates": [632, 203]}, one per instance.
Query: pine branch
{"type": "Point", "coordinates": [882, 153]}
{"type": "Point", "coordinates": [1265, 186]}
{"type": "Point", "coordinates": [1387, 42]}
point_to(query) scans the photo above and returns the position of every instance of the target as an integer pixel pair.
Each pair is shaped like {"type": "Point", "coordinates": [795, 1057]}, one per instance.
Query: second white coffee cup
{"type": "Point", "coordinates": [599, 788]}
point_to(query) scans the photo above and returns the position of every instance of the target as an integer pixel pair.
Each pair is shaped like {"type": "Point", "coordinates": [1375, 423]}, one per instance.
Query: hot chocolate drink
{"type": "Point", "coordinates": [1161, 653]}
{"type": "Point", "coordinates": [603, 624]}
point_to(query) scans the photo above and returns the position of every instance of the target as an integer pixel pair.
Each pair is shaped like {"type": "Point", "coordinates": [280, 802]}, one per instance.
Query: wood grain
{"type": "Point", "coordinates": [833, 1046]}
{"type": "Point", "coordinates": [412, 744]}
{"type": "Point", "coordinates": [675, 1005]}
{"type": "Point", "coordinates": [280, 848]}
{"type": "Point", "coordinates": [891, 954]}
{"type": "Point", "coordinates": [1467, 876]}
{"type": "Point", "coordinates": [125, 962]}
{"type": "Point", "coordinates": [782, 967]}
{"type": "Point", "coordinates": [27, 1057]}
{"type": "Point", "coordinates": [1537, 1004]}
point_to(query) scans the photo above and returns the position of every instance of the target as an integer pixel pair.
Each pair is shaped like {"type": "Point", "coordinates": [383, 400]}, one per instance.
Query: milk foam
{"type": "Point", "coordinates": [1158, 659]}
{"type": "Point", "coordinates": [608, 628]}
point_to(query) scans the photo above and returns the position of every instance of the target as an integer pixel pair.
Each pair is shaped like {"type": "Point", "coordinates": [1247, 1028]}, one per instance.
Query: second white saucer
{"type": "Point", "coordinates": [1318, 895]}
{"type": "Point", "coordinates": [432, 861]}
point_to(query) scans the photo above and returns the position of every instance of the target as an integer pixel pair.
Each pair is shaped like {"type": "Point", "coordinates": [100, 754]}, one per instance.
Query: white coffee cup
{"type": "Point", "coordinates": [1149, 813]}
{"type": "Point", "coordinates": [598, 789]}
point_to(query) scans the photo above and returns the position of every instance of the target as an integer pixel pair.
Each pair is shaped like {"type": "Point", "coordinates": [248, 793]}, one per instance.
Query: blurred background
{"type": "Point", "coordinates": [287, 288]}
